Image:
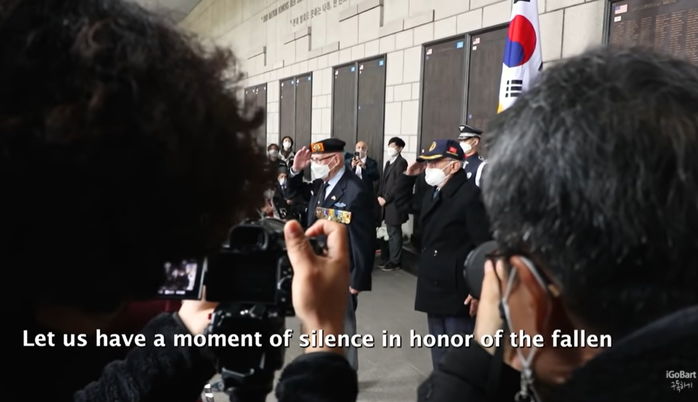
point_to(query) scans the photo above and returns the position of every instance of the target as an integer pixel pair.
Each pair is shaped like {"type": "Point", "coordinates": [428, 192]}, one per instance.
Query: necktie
{"type": "Point", "coordinates": [321, 197]}
{"type": "Point", "coordinates": [435, 194]}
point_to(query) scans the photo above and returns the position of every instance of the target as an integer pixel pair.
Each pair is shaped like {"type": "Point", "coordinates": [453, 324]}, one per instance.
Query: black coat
{"type": "Point", "coordinates": [369, 173]}
{"type": "Point", "coordinates": [452, 224]}
{"type": "Point", "coordinates": [152, 373]}
{"type": "Point", "coordinates": [393, 212]}
{"type": "Point", "coordinates": [369, 176]}
{"type": "Point", "coordinates": [351, 195]}
{"type": "Point", "coordinates": [148, 374]}
{"type": "Point", "coordinates": [633, 370]}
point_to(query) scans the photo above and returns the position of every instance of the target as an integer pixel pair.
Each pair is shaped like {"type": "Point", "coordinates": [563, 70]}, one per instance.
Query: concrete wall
{"type": "Point", "coordinates": [275, 39]}
{"type": "Point", "coordinates": [278, 39]}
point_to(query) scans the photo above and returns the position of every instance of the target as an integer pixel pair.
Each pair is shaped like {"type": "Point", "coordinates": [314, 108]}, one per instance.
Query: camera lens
{"type": "Point", "coordinates": [474, 267]}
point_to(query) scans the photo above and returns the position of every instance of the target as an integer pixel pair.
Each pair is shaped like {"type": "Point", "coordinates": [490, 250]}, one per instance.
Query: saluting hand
{"type": "Point", "coordinates": [302, 159]}
{"type": "Point", "coordinates": [416, 168]}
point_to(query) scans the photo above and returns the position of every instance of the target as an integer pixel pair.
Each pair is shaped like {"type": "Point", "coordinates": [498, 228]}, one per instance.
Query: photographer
{"type": "Point", "coordinates": [597, 236]}
{"type": "Point", "coordinates": [121, 149]}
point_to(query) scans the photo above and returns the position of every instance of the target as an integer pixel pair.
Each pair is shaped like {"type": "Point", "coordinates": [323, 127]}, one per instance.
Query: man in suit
{"type": "Point", "coordinates": [338, 195]}
{"type": "Point", "coordinates": [469, 139]}
{"type": "Point", "coordinates": [394, 214]}
{"type": "Point", "coordinates": [364, 168]}
{"type": "Point", "coordinates": [453, 221]}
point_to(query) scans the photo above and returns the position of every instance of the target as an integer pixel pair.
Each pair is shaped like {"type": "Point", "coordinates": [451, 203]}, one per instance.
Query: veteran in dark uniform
{"type": "Point", "coordinates": [453, 221]}
{"type": "Point", "coordinates": [339, 195]}
{"type": "Point", "coordinates": [469, 139]}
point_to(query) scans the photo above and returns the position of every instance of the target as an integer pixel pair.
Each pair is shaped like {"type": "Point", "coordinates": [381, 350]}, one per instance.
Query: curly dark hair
{"type": "Point", "coordinates": [122, 145]}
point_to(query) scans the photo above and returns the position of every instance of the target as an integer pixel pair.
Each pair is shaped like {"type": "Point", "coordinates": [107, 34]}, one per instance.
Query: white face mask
{"type": "Point", "coordinates": [282, 182]}
{"type": "Point", "coordinates": [273, 153]}
{"type": "Point", "coordinates": [319, 170]}
{"type": "Point", "coordinates": [392, 152]}
{"type": "Point", "coordinates": [527, 391]}
{"type": "Point", "coordinates": [434, 176]}
{"type": "Point", "coordinates": [362, 154]}
{"type": "Point", "coordinates": [466, 147]}
{"type": "Point", "coordinates": [287, 145]}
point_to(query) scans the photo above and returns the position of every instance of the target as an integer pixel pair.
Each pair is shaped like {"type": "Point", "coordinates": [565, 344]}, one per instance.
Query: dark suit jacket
{"type": "Point", "coordinates": [369, 173]}
{"type": "Point", "coordinates": [452, 224]}
{"type": "Point", "coordinates": [393, 212]}
{"type": "Point", "coordinates": [349, 194]}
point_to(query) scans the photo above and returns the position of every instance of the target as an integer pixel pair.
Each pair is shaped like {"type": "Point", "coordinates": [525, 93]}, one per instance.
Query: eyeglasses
{"type": "Point", "coordinates": [316, 160]}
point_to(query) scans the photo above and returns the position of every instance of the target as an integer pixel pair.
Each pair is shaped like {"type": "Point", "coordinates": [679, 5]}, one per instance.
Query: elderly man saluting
{"type": "Point", "coordinates": [338, 195]}
{"type": "Point", "coordinates": [454, 221]}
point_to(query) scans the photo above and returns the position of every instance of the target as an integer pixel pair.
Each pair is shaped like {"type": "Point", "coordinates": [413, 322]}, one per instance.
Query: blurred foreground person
{"type": "Point", "coordinates": [599, 235]}
{"type": "Point", "coordinates": [121, 150]}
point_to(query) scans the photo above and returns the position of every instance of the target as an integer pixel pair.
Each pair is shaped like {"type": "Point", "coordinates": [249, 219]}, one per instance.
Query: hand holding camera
{"type": "Point", "coordinates": [356, 160]}
{"type": "Point", "coordinates": [196, 314]}
{"type": "Point", "coordinates": [320, 282]}
{"type": "Point", "coordinates": [485, 286]}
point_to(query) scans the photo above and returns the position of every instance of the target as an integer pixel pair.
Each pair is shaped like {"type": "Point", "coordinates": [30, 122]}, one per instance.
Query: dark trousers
{"type": "Point", "coordinates": [395, 243]}
{"type": "Point", "coordinates": [443, 324]}
{"type": "Point", "coordinates": [351, 353]}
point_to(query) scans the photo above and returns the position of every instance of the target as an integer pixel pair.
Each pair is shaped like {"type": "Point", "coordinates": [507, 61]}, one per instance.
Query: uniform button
{"type": "Point", "coordinates": [436, 252]}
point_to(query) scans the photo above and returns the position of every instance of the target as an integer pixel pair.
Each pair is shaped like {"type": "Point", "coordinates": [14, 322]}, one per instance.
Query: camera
{"type": "Point", "coordinates": [250, 275]}
{"type": "Point", "coordinates": [474, 267]}
{"type": "Point", "coordinates": [251, 267]}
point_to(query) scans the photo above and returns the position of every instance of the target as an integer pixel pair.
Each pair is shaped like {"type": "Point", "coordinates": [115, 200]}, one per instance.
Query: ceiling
{"type": "Point", "coordinates": [175, 9]}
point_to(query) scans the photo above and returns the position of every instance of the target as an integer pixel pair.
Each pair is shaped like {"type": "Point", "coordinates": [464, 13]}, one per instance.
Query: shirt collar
{"type": "Point", "coordinates": [331, 182]}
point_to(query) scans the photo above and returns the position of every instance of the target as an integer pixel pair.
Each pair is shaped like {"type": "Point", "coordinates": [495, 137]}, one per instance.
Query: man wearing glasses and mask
{"type": "Point", "coordinates": [338, 195]}
{"type": "Point", "coordinates": [453, 222]}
